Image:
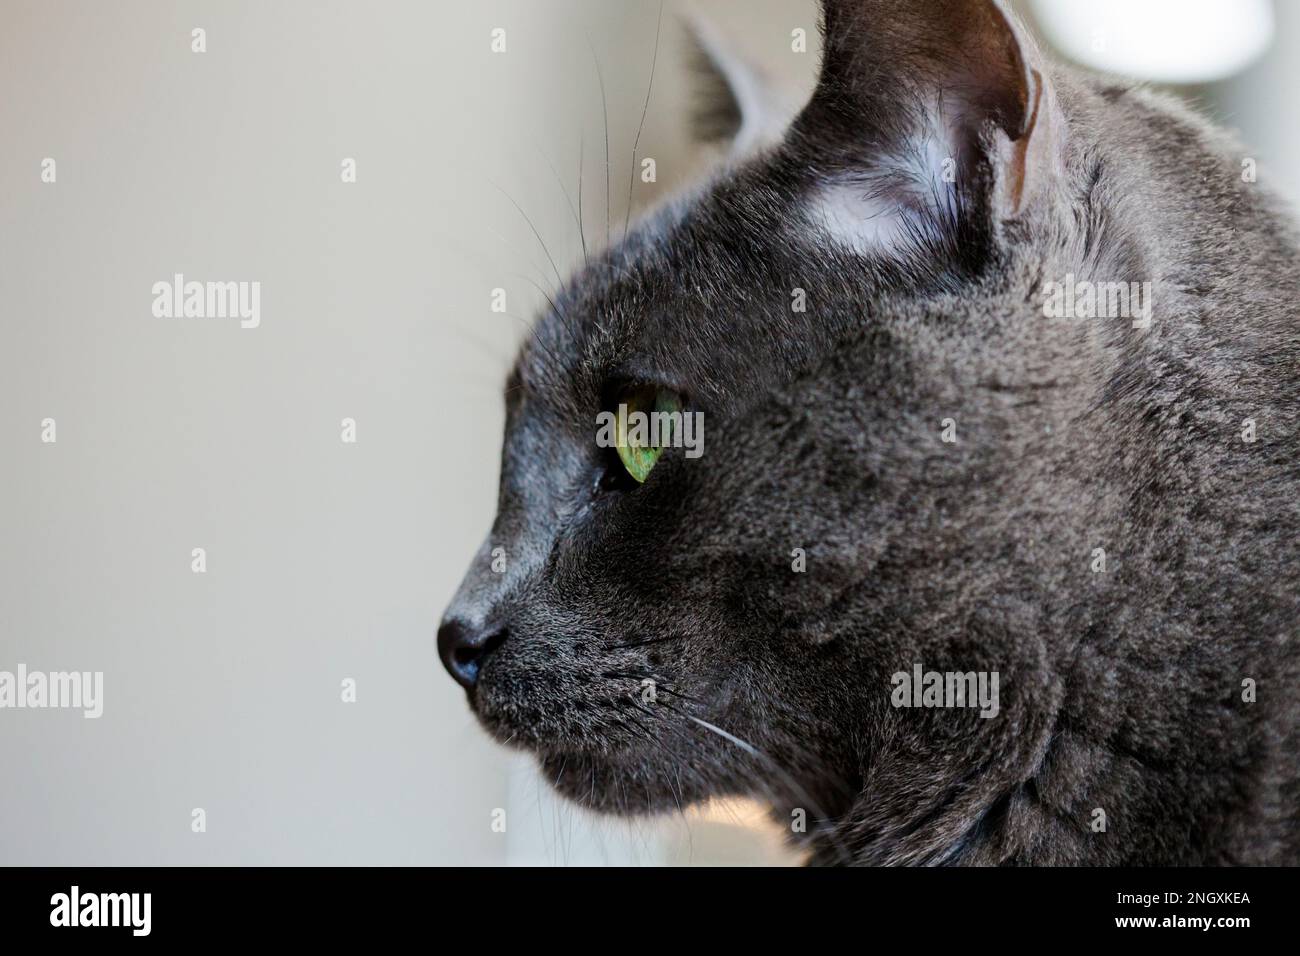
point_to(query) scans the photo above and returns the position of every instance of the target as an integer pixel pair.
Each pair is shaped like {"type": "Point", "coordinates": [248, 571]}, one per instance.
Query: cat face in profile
{"type": "Point", "coordinates": [907, 467]}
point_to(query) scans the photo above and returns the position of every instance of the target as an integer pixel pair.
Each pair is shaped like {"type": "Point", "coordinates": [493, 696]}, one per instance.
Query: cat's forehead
{"type": "Point", "coordinates": [670, 297]}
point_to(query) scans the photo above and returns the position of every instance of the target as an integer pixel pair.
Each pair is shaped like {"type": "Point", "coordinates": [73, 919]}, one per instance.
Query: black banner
{"type": "Point", "coordinates": [337, 905]}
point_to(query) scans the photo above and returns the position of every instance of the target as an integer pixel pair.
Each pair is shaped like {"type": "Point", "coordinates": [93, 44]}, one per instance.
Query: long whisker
{"type": "Point", "coordinates": [542, 242]}
{"type": "Point", "coordinates": [743, 745]}
{"type": "Point", "coordinates": [582, 232]}
{"type": "Point", "coordinates": [797, 790]}
{"type": "Point", "coordinates": [678, 763]}
{"type": "Point", "coordinates": [644, 109]}
{"type": "Point", "coordinates": [560, 313]}
{"type": "Point", "coordinates": [763, 787]}
{"type": "Point", "coordinates": [521, 254]}
{"type": "Point", "coordinates": [604, 109]}
{"type": "Point", "coordinates": [792, 788]}
{"type": "Point", "coordinates": [577, 217]}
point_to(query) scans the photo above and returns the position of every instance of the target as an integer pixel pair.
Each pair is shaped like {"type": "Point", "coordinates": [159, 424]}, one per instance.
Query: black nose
{"type": "Point", "coordinates": [463, 649]}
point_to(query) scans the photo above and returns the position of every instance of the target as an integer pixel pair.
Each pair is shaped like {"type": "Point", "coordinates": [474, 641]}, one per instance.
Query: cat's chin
{"type": "Point", "coordinates": [601, 764]}
{"type": "Point", "coordinates": [618, 785]}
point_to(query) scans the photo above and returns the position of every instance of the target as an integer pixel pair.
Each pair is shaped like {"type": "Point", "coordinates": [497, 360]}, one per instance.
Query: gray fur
{"type": "Point", "coordinates": [1121, 690]}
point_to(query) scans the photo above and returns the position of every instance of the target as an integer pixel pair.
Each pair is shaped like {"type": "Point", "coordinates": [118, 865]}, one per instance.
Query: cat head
{"type": "Point", "coordinates": [850, 314]}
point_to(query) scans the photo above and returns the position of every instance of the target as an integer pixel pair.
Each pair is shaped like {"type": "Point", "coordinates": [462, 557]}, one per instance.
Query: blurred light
{"type": "Point", "coordinates": [1167, 41]}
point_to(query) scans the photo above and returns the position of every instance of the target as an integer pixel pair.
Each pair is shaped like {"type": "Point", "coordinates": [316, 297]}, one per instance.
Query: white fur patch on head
{"type": "Point", "coordinates": [853, 216]}
{"type": "Point", "coordinates": [890, 206]}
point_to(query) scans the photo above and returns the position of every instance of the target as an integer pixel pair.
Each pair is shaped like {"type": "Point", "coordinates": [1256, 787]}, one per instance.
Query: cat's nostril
{"type": "Point", "coordinates": [463, 649]}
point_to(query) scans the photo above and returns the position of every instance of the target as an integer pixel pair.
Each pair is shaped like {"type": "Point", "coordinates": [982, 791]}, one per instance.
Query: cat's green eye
{"type": "Point", "coordinates": [645, 420]}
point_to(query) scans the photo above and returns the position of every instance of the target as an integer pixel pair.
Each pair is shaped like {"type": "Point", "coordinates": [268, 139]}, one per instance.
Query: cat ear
{"type": "Point", "coordinates": [930, 103]}
{"type": "Point", "coordinates": [734, 103]}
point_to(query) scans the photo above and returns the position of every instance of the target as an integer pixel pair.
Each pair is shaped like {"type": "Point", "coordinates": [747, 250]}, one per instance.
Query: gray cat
{"type": "Point", "coordinates": [990, 556]}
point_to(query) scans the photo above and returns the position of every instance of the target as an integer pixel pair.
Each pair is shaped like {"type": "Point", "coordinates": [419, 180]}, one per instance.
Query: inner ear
{"type": "Point", "coordinates": [939, 108]}
{"type": "Point", "coordinates": [968, 53]}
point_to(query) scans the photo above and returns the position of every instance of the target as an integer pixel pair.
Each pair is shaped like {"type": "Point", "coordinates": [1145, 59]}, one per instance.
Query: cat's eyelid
{"type": "Point", "coordinates": [627, 376]}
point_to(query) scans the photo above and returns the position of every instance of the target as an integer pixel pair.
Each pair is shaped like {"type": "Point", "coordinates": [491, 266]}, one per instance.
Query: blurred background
{"type": "Point", "coordinates": [329, 561]}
